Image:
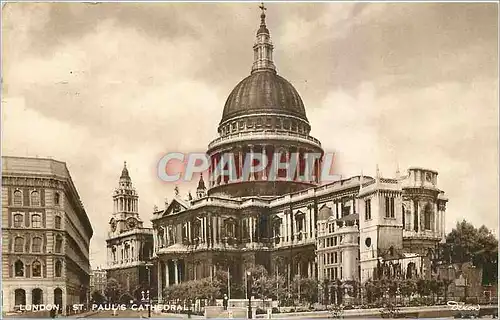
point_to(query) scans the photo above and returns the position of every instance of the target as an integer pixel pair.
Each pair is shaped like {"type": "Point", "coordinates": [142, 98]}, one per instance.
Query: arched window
{"type": "Point", "coordinates": [57, 222]}
{"type": "Point", "coordinates": [19, 244]}
{"type": "Point", "coordinates": [36, 269]}
{"type": "Point", "coordinates": [57, 198]}
{"type": "Point", "coordinates": [18, 220]}
{"type": "Point", "coordinates": [35, 198]}
{"type": "Point", "coordinates": [411, 270]}
{"type": "Point", "coordinates": [113, 251]}
{"type": "Point", "coordinates": [37, 296]}
{"type": "Point", "coordinates": [127, 249]}
{"type": "Point", "coordinates": [230, 228]}
{"type": "Point", "coordinates": [427, 217]}
{"type": "Point", "coordinates": [19, 268]}
{"type": "Point", "coordinates": [36, 221]}
{"type": "Point", "coordinates": [58, 268]}
{"type": "Point", "coordinates": [18, 198]}
{"type": "Point", "coordinates": [161, 234]}
{"type": "Point", "coordinates": [19, 297]}
{"type": "Point", "coordinates": [59, 242]}
{"type": "Point", "coordinates": [36, 245]}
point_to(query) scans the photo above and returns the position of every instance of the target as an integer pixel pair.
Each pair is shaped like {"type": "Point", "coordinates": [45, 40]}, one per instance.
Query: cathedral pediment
{"type": "Point", "coordinates": [177, 205]}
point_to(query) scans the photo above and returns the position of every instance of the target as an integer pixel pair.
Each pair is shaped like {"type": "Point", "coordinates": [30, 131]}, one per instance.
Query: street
{"type": "Point", "coordinates": [137, 314]}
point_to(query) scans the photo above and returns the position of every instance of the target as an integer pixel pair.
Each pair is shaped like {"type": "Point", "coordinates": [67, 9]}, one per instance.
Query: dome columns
{"type": "Point", "coordinates": [282, 163]}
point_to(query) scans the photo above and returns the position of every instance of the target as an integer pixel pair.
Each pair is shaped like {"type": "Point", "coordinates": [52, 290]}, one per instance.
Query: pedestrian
{"type": "Point", "coordinates": [225, 301]}
{"type": "Point", "coordinates": [53, 313]}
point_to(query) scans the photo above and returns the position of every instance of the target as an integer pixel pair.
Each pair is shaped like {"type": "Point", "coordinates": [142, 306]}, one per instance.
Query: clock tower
{"type": "Point", "coordinates": [125, 206]}
{"type": "Point", "coordinates": [129, 243]}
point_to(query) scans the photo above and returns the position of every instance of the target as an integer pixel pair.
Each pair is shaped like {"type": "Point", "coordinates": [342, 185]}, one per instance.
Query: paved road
{"type": "Point", "coordinates": [139, 314]}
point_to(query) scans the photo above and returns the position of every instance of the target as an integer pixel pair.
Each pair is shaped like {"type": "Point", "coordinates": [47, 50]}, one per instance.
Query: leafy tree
{"type": "Point", "coordinates": [309, 290]}
{"type": "Point", "coordinates": [113, 290]}
{"type": "Point", "coordinates": [125, 298]}
{"type": "Point", "coordinates": [434, 287]}
{"type": "Point", "coordinates": [408, 288]}
{"type": "Point", "coordinates": [465, 243]}
{"type": "Point", "coordinates": [423, 287]}
{"type": "Point", "coordinates": [98, 297]}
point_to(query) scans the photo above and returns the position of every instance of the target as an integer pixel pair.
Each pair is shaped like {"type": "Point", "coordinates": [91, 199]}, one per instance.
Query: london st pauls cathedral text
{"type": "Point", "coordinates": [340, 230]}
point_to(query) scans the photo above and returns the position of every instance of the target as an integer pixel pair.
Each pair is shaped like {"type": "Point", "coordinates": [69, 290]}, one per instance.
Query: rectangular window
{"type": "Point", "coordinates": [36, 221]}
{"type": "Point", "coordinates": [340, 256]}
{"type": "Point", "coordinates": [392, 207]}
{"type": "Point", "coordinates": [335, 257]}
{"type": "Point", "coordinates": [389, 207]}
{"type": "Point", "coordinates": [368, 209]}
{"type": "Point", "coordinates": [335, 241]}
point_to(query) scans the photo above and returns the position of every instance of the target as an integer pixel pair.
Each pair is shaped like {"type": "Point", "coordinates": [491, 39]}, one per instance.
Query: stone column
{"type": "Point", "coordinates": [252, 175]}
{"type": "Point", "coordinates": [307, 221]}
{"type": "Point", "coordinates": [284, 227]}
{"type": "Point", "coordinates": [250, 228]}
{"type": "Point", "coordinates": [214, 230]}
{"type": "Point", "coordinates": [287, 159]}
{"type": "Point", "coordinates": [176, 270]}
{"type": "Point", "coordinates": [240, 162]}
{"type": "Point", "coordinates": [306, 167]}
{"type": "Point", "coordinates": [167, 235]}
{"type": "Point", "coordinates": [289, 226]}
{"type": "Point", "coordinates": [313, 231]}
{"type": "Point", "coordinates": [205, 230]}
{"type": "Point", "coordinates": [297, 163]}
{"type": "Point", "coordinates": [221, 223]}
{"type": "Point", "coordinates": [264, 173]}
{"type": "Point", "coordinates": [167, 274]}
{"type": "Point", "coordinates": [159, 282]}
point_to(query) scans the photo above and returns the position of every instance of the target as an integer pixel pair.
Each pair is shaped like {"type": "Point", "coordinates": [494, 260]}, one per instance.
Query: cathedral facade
{"type": "Point", "coordinates": [129, 243]}
{"type": "Point", "coordinates": [346, 230]}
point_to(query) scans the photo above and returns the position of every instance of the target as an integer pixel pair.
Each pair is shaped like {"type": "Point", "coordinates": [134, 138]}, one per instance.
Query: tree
{"type": "Point", "coordinates": [465, 243]}
{"type": "Point", "coordinates": [98, 297]}
{"type": "Point", "coordinates": [113, 290]}
{"type": "Point", "coordinates": [309, 290]}
{"type": "Point", "coordinates": [408, 288]}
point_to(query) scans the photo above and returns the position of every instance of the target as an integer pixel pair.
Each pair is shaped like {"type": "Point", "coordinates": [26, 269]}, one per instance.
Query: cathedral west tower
{"type": "Point", "coordinates": [129, 243]}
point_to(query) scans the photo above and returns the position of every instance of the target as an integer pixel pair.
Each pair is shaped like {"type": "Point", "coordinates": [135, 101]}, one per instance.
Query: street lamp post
{"type": "Point", "coordinates": [249, 294]}
{"type": "Point", "coordinates": [149, 288]}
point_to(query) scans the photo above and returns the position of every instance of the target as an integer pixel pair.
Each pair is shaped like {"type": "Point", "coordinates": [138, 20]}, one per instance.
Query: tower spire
{"type": "Point", "coordinates": [263, 47]}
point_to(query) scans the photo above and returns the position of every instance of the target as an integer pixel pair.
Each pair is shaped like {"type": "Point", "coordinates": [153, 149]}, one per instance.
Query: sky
{"type": "Point", "coordinates": [393, 84]}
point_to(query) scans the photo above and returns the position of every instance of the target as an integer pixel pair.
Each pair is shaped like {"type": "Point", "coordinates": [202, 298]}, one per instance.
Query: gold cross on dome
{"type": "Point", "coordinates": [262, 7]}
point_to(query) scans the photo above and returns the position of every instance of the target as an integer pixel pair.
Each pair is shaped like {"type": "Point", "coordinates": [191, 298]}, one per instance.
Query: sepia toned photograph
{"type": "Point", "coordinates": [250, 160]}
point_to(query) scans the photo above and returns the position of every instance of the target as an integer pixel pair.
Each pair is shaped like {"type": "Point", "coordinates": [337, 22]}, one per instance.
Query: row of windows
{"type": "Point", "coordinates": [332, 257]}
{"type": "Point", "coordinates": [332, 241]}
{"type": "Point", "coordinates": [269, 122]}
{"type": "Point", "coordinates": [34, 199]}
{"type": "Point", "coordinates": [36, 221]}
{"type": "Point", "coordinates": [36, 269]}
{"type": "Point", "coordinates": [333, 273]}
{"type": "Point", "coordinates": [389, 208]}
{"type": "Point", "coordinates": [36, 244]}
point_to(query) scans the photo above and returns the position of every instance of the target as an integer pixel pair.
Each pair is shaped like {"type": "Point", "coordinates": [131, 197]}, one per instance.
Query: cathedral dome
{"type": "Point", "coordinates": [264, 92]}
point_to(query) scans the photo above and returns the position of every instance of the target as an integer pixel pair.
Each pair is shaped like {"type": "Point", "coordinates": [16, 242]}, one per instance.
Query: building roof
{"type": "Point", "coordinates": [264, 92]}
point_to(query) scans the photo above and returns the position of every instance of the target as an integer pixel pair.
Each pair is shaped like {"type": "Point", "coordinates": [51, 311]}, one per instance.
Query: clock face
{"type": "Point", "coordinates": [428, 177]}
{"type": "Point", "coordinates": [131, 223]}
